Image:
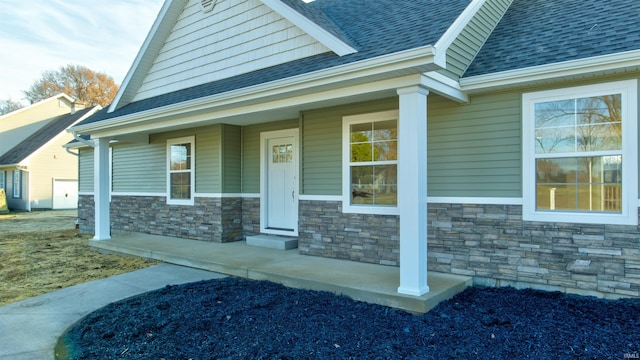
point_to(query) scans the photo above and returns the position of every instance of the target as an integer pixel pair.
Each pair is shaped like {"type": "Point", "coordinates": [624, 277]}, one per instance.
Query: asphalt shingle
{"type": "Point", "coordinates": [538, 32]}
{"type": "Point", "coordinates": [373, 27]}
{"type": "Point", "coordinates": [41, 137]}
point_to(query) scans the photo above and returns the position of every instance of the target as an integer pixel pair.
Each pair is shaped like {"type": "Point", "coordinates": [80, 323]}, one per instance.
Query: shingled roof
{"type": "Point", "coordinates": [373, 27]}
{"type": "Point", "coordinates": [538, 32]}
{"type": "Point", "coordinates": [41, 137]}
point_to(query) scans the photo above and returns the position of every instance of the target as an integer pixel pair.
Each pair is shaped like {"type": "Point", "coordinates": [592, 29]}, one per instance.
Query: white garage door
{"type": "Point", "coordinates": [65, 194]}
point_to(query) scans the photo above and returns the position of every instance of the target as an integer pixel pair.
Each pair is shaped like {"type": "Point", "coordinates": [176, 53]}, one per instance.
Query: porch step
{"type": "Point", "coordinates": [273, 242]}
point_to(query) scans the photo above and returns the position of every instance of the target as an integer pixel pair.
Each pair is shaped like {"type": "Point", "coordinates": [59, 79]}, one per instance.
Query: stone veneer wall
{"type": "Point", "coordinates": [209, 219]}
{"type": "Point", "coordinates": [491, 243]}
{"type": "Point", "coordinates": [494, 245]}
{"type": "Point", "coordinates": [86, 214]}
{"type": "Point", "coordinates": [324, 230]}
{"type": "Point", "coordinates": [251, 216]}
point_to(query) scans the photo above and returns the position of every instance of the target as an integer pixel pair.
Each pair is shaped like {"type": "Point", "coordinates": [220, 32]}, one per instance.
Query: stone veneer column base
{"type": "Point", "coordinates": [86, 214]}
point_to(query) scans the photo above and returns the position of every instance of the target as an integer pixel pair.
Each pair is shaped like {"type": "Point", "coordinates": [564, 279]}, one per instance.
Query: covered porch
{"type": "Point", "coordinates": [370, 283]}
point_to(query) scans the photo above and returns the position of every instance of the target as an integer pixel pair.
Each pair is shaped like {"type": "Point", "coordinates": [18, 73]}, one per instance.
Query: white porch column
{"type": "Point", "coordinates": [412, 190]}
{"type": "Point", "coordinates": [101, 189]}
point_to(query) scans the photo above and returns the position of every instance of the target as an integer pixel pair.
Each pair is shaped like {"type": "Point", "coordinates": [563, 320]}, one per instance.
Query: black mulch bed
{"type": "Point", "coordinates": [234, 318]}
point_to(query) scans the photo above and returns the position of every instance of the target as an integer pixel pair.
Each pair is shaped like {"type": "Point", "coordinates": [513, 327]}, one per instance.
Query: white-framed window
{"type": "Point", "coordinates": [181, 171]}
{"type": "Point", "coordinates": [17, 184]}
{"type": "Point", "coordinates": [3, 180]}
{"type": "Point", "coordinates": [370, 163]}
{"type": "Point", "coordinates": [580, 154]}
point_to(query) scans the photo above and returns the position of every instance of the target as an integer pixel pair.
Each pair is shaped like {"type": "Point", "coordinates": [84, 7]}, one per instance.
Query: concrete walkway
{"type": "Point", "coordinates": [371, 283]}
{"type": "Point", "coordinates": [29, 329]}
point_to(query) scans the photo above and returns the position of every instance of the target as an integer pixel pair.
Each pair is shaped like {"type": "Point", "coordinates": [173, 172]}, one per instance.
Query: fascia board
{"type": "Point", "coordinates": [444, 86]}
{"type": "Point", "coordinates": [6, 167]}
{"type": "Point", "coordinates": [55, 97]}
{"type": "Point", "coordinates": [152, 44]}
{"type": "Point", "coordinates": [224, 113]}
{"type": "Point", "coordinates": [419, 58]}
{"type": "Point", "coordinates": [550, 71]}
{"type": "Point", "coordinates": [458, 25]}
{"type": "Point", "coordinates": [314, 30]}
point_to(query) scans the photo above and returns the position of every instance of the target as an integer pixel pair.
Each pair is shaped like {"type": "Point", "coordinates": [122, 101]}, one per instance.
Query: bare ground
{"type": "Point", "coordinates": [41, 251]}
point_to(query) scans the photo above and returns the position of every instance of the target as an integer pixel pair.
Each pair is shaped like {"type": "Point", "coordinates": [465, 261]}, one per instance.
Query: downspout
{"type": "Point", "coordinates": [68, 150]}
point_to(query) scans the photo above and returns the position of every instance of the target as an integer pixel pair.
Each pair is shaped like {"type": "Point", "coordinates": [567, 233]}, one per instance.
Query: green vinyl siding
{"type": "Point", "coordinates": [85, 172]}
{"type": "Point", "coordinates": [465, 47]}
{"type": "Point", "coordinates": [207, 155]}
{"type": "Point", "coordinates": [139, 168]}
{"type": "Point", "coordinates": [142, 167]}
{"type": "Point", "coordinates": [474, 150]}
{"type": "Point", "coordinates": [231, 159]}
{"type": "Point", "coordinates": [208, 162]}
{"type": "Point", "coordinates": [322, 145]}
{"type": "Point", "coordinates": [251, 151]}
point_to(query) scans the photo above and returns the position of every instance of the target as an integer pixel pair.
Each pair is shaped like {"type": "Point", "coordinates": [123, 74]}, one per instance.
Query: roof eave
{"type": "Point", "coordinates": [28, 158]}
{"type": "Point", "coordinates": [151, 46]}
{"type": "Point", "coordinates": [547, 72]}
{"type": "Point", "coordinates": [416, 61]}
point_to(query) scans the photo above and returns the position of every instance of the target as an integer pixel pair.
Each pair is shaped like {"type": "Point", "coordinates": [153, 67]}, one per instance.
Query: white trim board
{"type": "Point", "coordinates": [312, 29]}
{"type": "Point", "coordinates": [128, 193]}
{"type": "Point", "coordinates": [474, 200]}
{"type": "Point", "coordinates": [320, 197]}
{"type": "Point", "coordinates": [430, 199]}
{"type": "Point", "coordinates": [226, 195]}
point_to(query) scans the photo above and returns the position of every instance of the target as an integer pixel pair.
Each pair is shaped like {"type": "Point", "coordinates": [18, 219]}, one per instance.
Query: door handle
{"type": "Point", "coordinates": [293, 196]}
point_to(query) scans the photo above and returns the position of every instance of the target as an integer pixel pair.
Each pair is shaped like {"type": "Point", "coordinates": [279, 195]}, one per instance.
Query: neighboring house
{"type": "Point", "coordinates": [489, 138]}
{"type": "Point", "coordinates": [35, 170]}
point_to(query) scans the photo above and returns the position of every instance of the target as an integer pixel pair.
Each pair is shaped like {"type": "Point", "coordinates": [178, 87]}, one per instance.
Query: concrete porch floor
{"type": "Point", "coordinates": [371, 283]}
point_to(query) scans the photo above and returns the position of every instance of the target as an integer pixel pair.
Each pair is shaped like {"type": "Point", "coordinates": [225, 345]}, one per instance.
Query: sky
{"type": "Point", "coordinates": [41, 35]}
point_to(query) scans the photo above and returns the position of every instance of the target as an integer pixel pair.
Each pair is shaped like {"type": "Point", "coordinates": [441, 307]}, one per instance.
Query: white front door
{"type": "Point", "coordinates": [279, 185]}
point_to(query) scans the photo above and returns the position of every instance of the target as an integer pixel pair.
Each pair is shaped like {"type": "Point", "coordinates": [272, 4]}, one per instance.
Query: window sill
{"type": "Point", "coordinates": [373, 210]}
{"type": "Point", "coordinates": [629, 218]}
{"type": "Point", "coordinates": [189, 202]}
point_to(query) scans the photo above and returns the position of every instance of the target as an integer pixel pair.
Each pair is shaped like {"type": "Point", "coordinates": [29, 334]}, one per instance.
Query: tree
{"type": "Point", "coordinates": [79, 82]}
{"type": "Point", "coordinates": [8, 105]}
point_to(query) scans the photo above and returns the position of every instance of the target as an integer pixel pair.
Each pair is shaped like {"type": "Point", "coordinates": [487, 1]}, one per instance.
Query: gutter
{"type": "Point", "coordinates": [78, 138]}
{"type": "Point", "coordinates": [560, 70]}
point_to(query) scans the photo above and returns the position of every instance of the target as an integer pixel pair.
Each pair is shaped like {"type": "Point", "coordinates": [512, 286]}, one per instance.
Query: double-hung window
{"type": "Point", "coordinates": [3, 180]}
{"type": "Point", "coordinates": [580, 154]}
{"type": "Point", "coordinates": [180, 171]}
{"type": "Point", "coordinates": [370, 163]}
